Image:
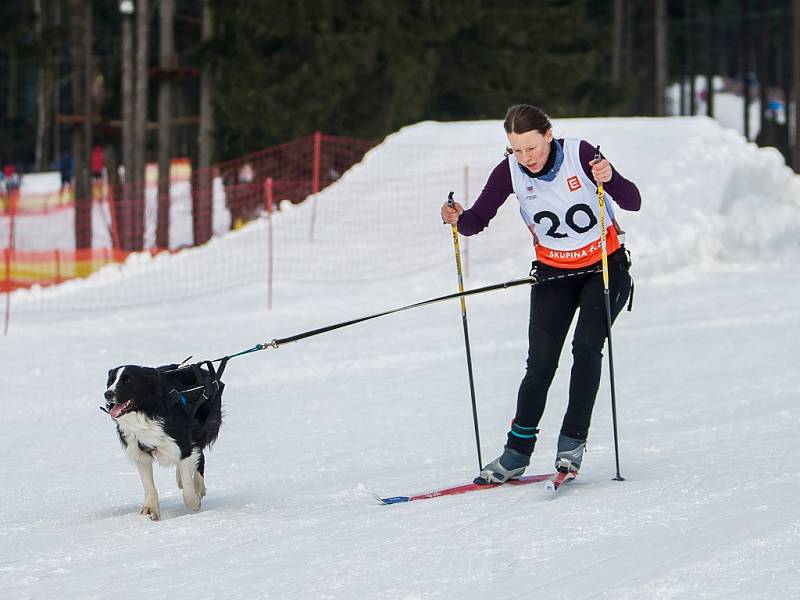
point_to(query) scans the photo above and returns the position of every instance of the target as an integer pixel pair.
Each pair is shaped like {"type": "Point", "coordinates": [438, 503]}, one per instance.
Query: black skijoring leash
{"type": "Point", "coordinates": [206, 384]}
{"type": "Point", "coordinates": [534, 278]}
{"type": "Point", "coordinates": [211, 383]}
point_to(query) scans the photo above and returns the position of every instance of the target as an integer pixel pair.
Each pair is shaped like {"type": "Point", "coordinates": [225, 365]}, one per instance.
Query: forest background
{"type": "Point", "coordinates": [213, 79]}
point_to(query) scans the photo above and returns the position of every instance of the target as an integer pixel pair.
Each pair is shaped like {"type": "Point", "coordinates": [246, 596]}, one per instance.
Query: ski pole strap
{"type": "Point", "coordinates": [633, 283]}
{"type": "Point", "coordinates": [630, 298]}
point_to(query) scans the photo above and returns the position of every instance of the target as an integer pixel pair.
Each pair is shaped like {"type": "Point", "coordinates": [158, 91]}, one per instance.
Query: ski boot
{"type": "Point", "coordinates": [570, 454]}
{"type": "Point", "coordinates": [568, 461]}
{"type": "Point", "coordinates": [510, 465]}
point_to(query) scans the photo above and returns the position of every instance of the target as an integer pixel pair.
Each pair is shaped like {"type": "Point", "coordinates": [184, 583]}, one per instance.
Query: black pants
{"type": "Point", "coordinates": [553, 307]}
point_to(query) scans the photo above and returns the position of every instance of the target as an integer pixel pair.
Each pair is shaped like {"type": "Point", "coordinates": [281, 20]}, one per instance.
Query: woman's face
{"type": "Point", "coordinates": [531, 149]}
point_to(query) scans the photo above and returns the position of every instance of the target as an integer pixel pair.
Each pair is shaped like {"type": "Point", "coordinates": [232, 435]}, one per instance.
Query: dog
{"type": "Point", "coordinates": [171, 414]}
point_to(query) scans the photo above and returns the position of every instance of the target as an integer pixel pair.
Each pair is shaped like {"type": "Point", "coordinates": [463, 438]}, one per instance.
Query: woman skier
{"type": "Point", "coordinates": [554, 181]}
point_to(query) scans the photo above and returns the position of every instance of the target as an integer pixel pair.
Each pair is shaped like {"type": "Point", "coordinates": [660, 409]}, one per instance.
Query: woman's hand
{"type": "Point", "coordinates": [450, 215]}
{"type": "Point", "coordinates": [601, 170]}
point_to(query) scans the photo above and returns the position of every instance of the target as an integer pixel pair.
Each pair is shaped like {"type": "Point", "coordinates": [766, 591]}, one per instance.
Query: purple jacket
{"type": "Point", "coordinates": [498, 188]}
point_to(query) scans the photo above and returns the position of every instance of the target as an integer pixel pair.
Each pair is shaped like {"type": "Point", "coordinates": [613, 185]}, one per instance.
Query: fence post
{"type": "Point", "coordinates": [9, 249]}
{"type": "Point", "coordinates": [111, 202]}
{"type": "Point", "coordinates": [315, 180]}
{"type": "Point", "coordinates": [7, 261]}
{"type": "Point", "coordinates": [268, 197]}
{"type": "Point", "coordinates": [317, 150]}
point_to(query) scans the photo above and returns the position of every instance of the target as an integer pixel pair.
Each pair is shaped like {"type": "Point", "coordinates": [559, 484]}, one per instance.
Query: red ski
{"type": "Point", "coordinates": [560, 479]}
{"type": "Point", "coordinates": [463, 489]}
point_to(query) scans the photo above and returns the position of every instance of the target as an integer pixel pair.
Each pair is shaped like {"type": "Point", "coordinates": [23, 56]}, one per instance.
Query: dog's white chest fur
{"type": "Point", "coordinates": [149, 433]}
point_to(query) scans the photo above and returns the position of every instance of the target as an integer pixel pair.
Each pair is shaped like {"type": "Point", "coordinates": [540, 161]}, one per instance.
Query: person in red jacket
{"type": "Point", "coordinates": [554, 181]}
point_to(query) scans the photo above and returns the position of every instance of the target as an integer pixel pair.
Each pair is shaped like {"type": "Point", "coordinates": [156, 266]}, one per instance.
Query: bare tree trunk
{"type": "Point", "coordinates": [784, 70]}
{"type": "Point", "coordinates": [691, 65]}
{"type": "Point", "coordinates": [140, 89]}
{"type": "Point", "coordinates": [711, 62]}
{"type": "Point", "coordinates": [80, 38]}
{"type": "Point", "coordinates": [83, 207]}
{"type": "Point", "coordinates": [122, 197]}
{"type": "Point", "coordinates": [661, 56]}
{"type": "Point", "coordinates": [794, 124]}
{"type": "Point", "coordinates": [685, 54]}
{"type": "Point", "coordinates": [56, 93]}
{"type": "Point", "coordinates": [42, 78]}
{"type": "Point", "coordinates": [167, 62]}
{"type": "Point", "coordinates": [136, 179]}
{"type": "Point", "coordinates": [745, 66]}
{"type": "Point", "coordinates": [202, 184]}
{"type": "Point", "coordinates": [763, 72]}
{"type": "Point", "coordinates": [616, 48]}
{"type": "Point", "coordinates": [13, 84]}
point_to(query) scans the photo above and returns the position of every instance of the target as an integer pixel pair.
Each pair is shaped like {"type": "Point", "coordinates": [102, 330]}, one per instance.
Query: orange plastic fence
{"type": "Point", "coordinates": [132, 217]}
{"type": "Point", "coordinates": [49, 267]}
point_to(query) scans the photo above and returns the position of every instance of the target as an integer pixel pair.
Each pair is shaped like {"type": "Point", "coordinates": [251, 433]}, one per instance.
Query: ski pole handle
{"type": "Point", "coordinates": [450, 204]}
{"type": "Point", "coordinates": [597, 158]}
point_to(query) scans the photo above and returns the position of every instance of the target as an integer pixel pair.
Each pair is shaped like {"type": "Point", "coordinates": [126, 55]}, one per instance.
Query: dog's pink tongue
{"type": "Point", "coordinates": [116, 410]}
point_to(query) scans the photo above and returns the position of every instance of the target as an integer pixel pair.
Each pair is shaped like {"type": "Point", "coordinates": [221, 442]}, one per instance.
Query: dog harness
{"type": "Point", "coordinates": [193, 385]}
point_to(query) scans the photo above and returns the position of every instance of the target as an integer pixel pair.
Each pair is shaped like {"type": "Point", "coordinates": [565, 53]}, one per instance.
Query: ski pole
{"type": "Point", "coordinates": [601, 201]}
{"type": "Point", "coordinates": [450, 203]}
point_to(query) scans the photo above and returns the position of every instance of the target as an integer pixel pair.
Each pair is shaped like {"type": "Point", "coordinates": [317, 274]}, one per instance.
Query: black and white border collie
{"type": "Point", "coordinates": [152, 423]}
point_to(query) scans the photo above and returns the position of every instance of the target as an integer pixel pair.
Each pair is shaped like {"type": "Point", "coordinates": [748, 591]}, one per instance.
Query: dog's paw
{"type": "Point", "coordinates": [199, 485]}
{"type": "Point", "coordinates": [150, 511]}
{"type": "Point", "coordinates": [191, 501]}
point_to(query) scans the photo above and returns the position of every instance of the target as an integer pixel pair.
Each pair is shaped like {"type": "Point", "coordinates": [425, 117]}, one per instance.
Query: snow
{"type": "Point", "coordinates": [705, 373]}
